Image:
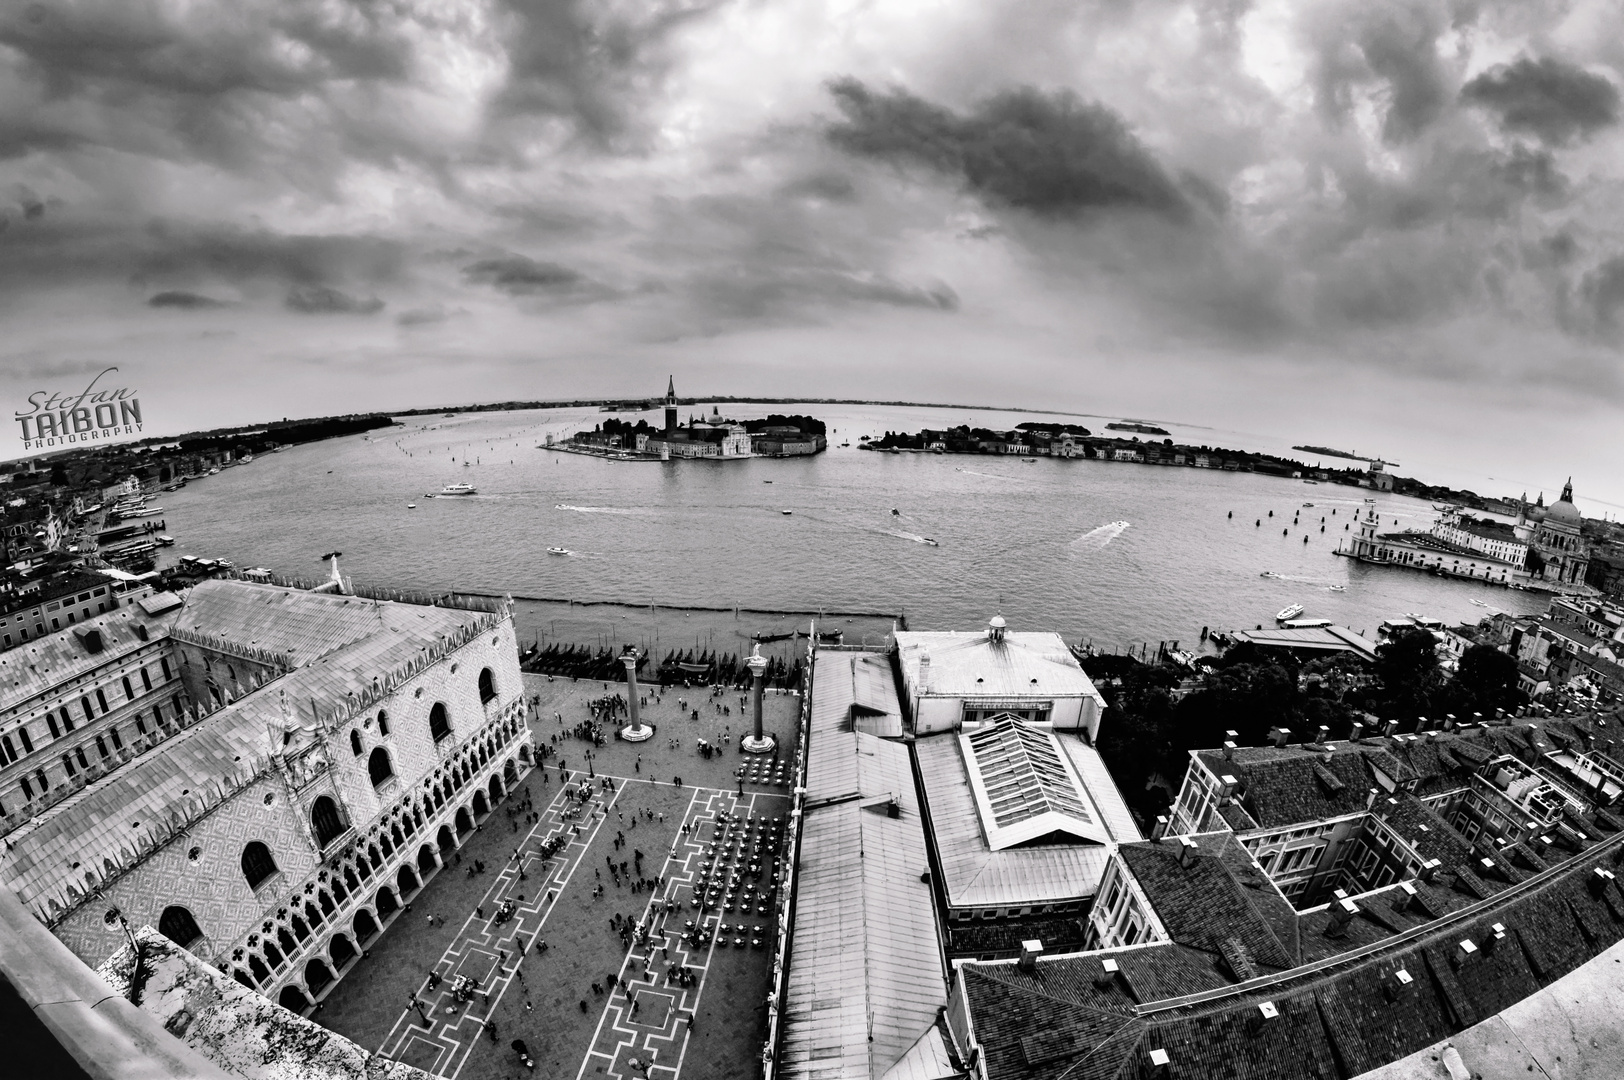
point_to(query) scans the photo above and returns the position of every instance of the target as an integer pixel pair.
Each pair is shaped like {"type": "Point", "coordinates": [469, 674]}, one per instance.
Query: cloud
{"type": "Point", "coordinates": [519, 275]}
{"type": "Point", "coordinates": [322, 300]}
{"type": "Point", "coordinates": [1052, 154]}
{"type": "Point", "coordinates": [1547, 98]}
{"type": "Point", "coordinates": [177, 298]}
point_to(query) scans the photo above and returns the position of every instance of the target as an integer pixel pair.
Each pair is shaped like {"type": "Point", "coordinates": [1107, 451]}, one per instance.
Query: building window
{"type": "Point", "coordinates": [101, 746]}
{"type": "Point", "coordinates": [7, 754]}
{"type": "Point", "coordinates": [439, 722]}
{"type": "Point", "coordinates": [101, 699]}
{"type": "Point", "coordinates": [67, 763]}
{"type": "Point", "coordinates": [378, 767]}
{"type": "Point", "coordinates": [50, 722]}
{"type": "Point", "coordinates": [383, 722]}
{"type": "Point", "coordinates": [129, 691]}
{"type": "Point", "coordinates": [79, 752]}
{"type": "Point", "coordinates": [90, 714]}
{"type": "Point", "coordinates": [28, 743]}
{"type": "Point", "coordinates": [355, 742]}
{"type": "Point", "coordinates": [177, 924]}
{"type": "Point", "coordinates": [140, 724]}
{"type": "Point", "coordinates": [44, 781]}
{"type": "Point", "coordinates": [146, 680]}
{"type": "Point", "coordinates": [487, 687]}
{"type": "Point", "coordinates": [118, 743]}
{"type": "Point", "coordinates": [257, 864]}
{"type": "Point", "coordinates": [163, 662]}
{"type": "Point", "coordinates": [28, 790]}
{"type": "Point", "coordinates": [67, 719]}
{"type": "Point", "coordinates": [324, 817]}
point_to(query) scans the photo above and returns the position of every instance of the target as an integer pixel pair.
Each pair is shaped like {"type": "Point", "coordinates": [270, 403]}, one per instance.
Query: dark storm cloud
{"type": "Point", "coordinates": [585, 61]}
{"type": "Point", "coordinates": [1052, 154]}
{"type": "Point", "coordinates": [1402, 49]}
{"type": "Point", "coordinates": [178, 298]}
{"type": "Point", "coordinates": [518, 275]}
{"type": "Point", "coordinates": [1603, 293]}
{"type": "Point", "coordinates": [323, 300]}
{"type": "Point", "coordinates": [1547, 98]}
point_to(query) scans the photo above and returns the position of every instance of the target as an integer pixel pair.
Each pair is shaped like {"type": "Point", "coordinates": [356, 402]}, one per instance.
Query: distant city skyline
{"type": "Point", "coordinates": [1391, 225]}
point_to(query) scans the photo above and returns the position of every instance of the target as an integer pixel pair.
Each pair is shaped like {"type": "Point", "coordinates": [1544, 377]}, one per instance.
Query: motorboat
{"type": "Point", "coordinates": [165, 540]}
{"type": "Point", "coordinates": [1289, 613]}
{"type": "Point", "coordinates": [1268, 573]}
{"type": "Point", "coordinates": [786, 513]}
{"type": "Point", "coordinates": [1305, 624]}
{"type": "Point", "coordinates": [558, 551]}
{"type": "Point", "coordinates": [928, 542]}
{"type": "Point", "coordinates": [1307, 504]}
{"type": "Point", "coordinates": [411, 506]}
{"type": "Point", "coordinates": [1339, 588]}
{"type": "Point", "coordinates": [458, 489]}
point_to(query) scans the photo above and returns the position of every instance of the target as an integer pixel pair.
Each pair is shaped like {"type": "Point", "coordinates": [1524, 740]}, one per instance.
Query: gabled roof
{"type": "Point", "coordinates": [1024, 786]}
{"type": "Point", "coordinates": [977, 875]}
{"type": "Point", "coordinates": [36, 667]}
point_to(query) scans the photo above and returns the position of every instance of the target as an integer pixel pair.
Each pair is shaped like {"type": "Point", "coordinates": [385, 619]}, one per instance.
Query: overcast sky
{"type": "Point", "coordinates": [1383, 224]}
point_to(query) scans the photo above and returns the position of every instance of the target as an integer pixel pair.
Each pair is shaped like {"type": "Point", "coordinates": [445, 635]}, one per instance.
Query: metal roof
{"type": "Point", "coordinates": [975, 875]}
{"type": "Point", "coordinates": [1317, 638]}
{"type": "Point", "coordinates": [866, 978]}
{"type": "Point", "coordinates": [1032, 665]}
{"type": "Point", "coordinates": [38, 666]}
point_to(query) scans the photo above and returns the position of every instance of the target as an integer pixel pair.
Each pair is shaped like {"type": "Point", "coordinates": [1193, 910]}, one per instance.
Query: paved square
{"type": "Point", "coordinates": [604, 877]}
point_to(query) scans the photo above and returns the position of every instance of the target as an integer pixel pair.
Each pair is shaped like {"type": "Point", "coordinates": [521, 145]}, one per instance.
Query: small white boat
{"type": "Point", "coordinates": [1289, 613]}
{"type": "Point", "coordinates": [1305, 624]}
{"type": "Point", "coordinates": [928, 542]}
{"type": "Point", "coordinates": [558, 551]}
{"type": "Point", "coordinates": [458, 489]}
{"type": "Point", "coordinates": [411, 506]}
{"type": "Point", "coordinates": [786, 513]}
{"type": "Point", "coordinates": [1339, 588]}
{"type": "Point", "coordinates": [1268, 573]}
{"type": "Point", "coordinates": [1308, 504]}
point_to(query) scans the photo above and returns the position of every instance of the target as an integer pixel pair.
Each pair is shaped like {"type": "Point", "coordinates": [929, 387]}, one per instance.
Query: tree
{"type": "Point", "coordinates": [59, 476]}
{"type": "Point", "coordinates": [1485, 680]}
{"type": "Point", "coordinates": [1407, 664]}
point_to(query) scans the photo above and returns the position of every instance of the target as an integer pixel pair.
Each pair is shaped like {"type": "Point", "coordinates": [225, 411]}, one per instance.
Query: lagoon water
{"type": "Point", "coordinates": [1112, 553]}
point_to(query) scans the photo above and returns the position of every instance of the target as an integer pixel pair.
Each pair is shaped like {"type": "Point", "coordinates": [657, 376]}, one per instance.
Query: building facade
{"type": "Point", "coordinates": [300, 765]}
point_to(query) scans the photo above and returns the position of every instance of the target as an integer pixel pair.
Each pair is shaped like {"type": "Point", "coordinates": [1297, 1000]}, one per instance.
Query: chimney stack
{"type": "Point", "coordinates": [1463, 952]}
{"type": "Point", "coordinates": [1389, 728]}
{"type": "Point", "coordinates": [1265, 1013]}
{"type": "Point", "coordinates": [1357, 734]}
{"type": "Point", "coordinates": [1422, 724]}
{"type": "Point", "coordinates": [1229, 749]}
{"type": "Point", "coordinates": [1107, 973]}
{"type": "Point", "coordinates": [1187, 851]}
{"type": "Point", "coordinates": [1403, 896]}
{"type": "Point", "coordinates": [1398, 985]}
{"type": "Point", "coordinates": [1280, 735]}
{"type": "Point", "coordinates": [1159, 830]}
{"type": "Point", "coordinates": [1342, 913]}
{"type": "Point", "coordinates": [1449, 721]}
{"type": "Point", "coordinates": [1319, 739]}
{"type": "Point", "coordinates": [1496, 937]}
{"type": "Point", "coordinates": [1030, 951]}
{"type": "Point", "coordinates": [1160, 1064]}
{"type": "Point", "coordinates": [1429, 869]}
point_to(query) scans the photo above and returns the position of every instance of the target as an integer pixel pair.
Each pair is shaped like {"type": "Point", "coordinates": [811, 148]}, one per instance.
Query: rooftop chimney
{"type": "Point", "coordinates": [1187, 851]}
{"type": "Point", "coordinates": [1160, 1064]}
{"type": "Point", "coordinates": [1265, 1012]}
{"type": "Point", "coordinates": [1598, 881]}
{"type": "Point", "coordinates": [1279, 735]}
{"type": "Point", "coordinates": [1229, 749]}
{"type": "Point", "coordinates": [1498, 935]}
{"type": "Point", "coordinates": [1342, 912]}
{"type": "Point", "coordinates": [1449, 721]}
{"type": "Point", "coordinates": [1159, 830]}
{"type": "Point", "coordinates": [1229, 785]}
{"type": "Point", "coordinates": [1463, 952]}
{"type": "Point", "coordinates": [1403, 896]}
{"type": "Point", "coordinates": [1030, 951]}
{"type": "Point", "coordinates": [1357, 734]}
{"type": "Point", "coordinates": [1422, 724]}
{"type": "Point", "coordinates": [1319, 739]}
{"type": "Point", "coordinates": [1370, 798]}
{"type": "Point", "coordinates": [1389, 727]}
{"type": "Point", "coordinates": [1107, 973]}
{"type": "Point", "coordinates": [1429, 869]}
{"type": "Point", "coordinates": [1397, 985]}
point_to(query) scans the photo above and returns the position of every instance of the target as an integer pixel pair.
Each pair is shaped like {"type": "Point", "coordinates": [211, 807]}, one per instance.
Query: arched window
{"type": "Point", "coordinates": [355, 742]}
{"type": "Point", "coordinates": [439, 722]}
{"type": "Point", "coordinates": [177, 924]}
{"type": "Point", "coordinates": [487, 686]}
{"type": "Point", "coordinates": [257, 864]}
{"type": "Point", "coordinates": [324, 818]}
{"type": "Point", "coordinates": [378, 766]}
{"type": "Point", "coordinates": [383, 722]}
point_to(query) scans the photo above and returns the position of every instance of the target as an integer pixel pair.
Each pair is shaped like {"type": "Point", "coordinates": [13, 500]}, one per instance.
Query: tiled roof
{"type": "Point", "coordinates": [34, 668]}
{"type": "Point", "coordinates": [1279, 785]}
{"type": "Point", "coordinates": [1202, 905]}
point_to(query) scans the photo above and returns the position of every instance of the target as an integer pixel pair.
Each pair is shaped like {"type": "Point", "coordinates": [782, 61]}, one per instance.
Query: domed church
{"type": "Point", "coordinates": [1558, 552]}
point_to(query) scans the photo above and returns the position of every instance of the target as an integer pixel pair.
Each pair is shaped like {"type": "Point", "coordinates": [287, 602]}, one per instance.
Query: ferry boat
{"type": "Point", "coordinates": [558, 551]}
{"type": "Point", "coordinates": [1289, 613]}
{"type": "Point", "coordinates": [1305, 624]}
{"type": "Point", "coordinates": [165, 540]}
{"type": "Point", "coordinates": [458, 489]}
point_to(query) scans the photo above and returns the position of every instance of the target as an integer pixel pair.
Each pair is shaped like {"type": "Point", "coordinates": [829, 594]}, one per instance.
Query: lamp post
{"type": "Point", "coordinates": [757, 742]}
{"type": "Point", "coordinates": [634, 731]}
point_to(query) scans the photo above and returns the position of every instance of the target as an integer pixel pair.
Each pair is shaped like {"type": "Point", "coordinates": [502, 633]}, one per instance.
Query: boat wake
{"type": "Point", "coordinates": [1323, 583]}
{"type": "Point", "coordinates": [1098, 538]}
{"type": "Point", "coordinates": [990, 476]}
{"type": "Point", "coordinates": [900, 535]}
{"type": "Point", "coordinates": [595, 509]}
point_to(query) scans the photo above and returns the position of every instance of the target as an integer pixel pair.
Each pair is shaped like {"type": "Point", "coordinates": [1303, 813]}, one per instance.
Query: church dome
{"type": "Point", "coordinates": [1562, 511]}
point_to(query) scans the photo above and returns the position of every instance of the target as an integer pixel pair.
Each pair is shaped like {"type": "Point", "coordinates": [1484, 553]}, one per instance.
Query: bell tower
{"type": "Point", "coordinates": [670, 405]}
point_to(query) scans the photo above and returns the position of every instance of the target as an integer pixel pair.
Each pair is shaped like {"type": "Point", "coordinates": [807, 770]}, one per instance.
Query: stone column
{"type": "Point", "coordinates": [633, 731]}
{"type": "Point", "coordinates": [757, 743]}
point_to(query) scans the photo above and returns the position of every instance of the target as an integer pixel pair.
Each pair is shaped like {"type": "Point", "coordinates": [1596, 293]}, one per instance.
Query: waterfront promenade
{"type": "Point", "coordinates": [711, 1027]}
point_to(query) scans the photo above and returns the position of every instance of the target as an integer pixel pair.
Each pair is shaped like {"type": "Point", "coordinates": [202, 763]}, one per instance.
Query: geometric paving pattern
{"type": "Point", "coordinates": [651, 1039]}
